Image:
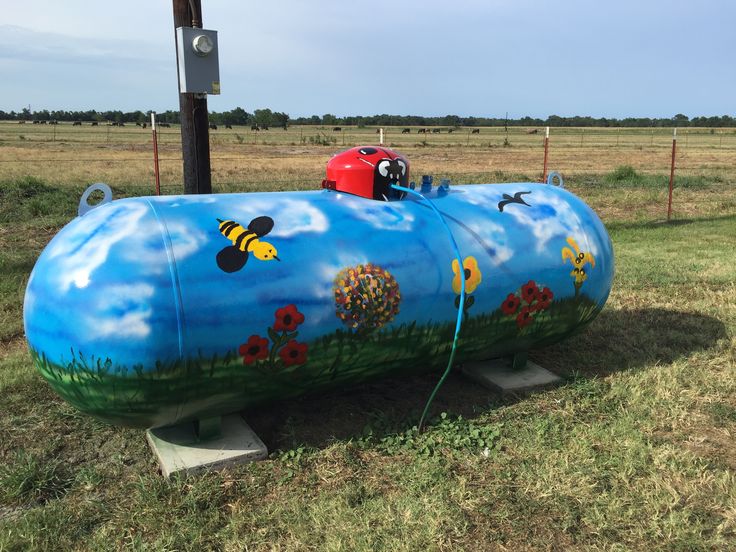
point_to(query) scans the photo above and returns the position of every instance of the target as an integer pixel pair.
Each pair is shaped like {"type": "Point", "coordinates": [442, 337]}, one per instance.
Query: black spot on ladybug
{"type": "Point", "coordinates": [368, 151]}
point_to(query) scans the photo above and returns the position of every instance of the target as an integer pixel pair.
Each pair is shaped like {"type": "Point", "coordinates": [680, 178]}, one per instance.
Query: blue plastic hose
{"type": "Point", "coordinates": [461, 306]}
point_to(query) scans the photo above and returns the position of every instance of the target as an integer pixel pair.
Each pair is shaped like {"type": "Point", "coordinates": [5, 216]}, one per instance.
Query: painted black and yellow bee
{"type": "Point", "coordinates": [245, 241]}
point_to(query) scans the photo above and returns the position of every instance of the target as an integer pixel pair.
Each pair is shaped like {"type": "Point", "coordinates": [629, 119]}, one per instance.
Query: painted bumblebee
{"type": "Point", "coordinates": [245, 241]}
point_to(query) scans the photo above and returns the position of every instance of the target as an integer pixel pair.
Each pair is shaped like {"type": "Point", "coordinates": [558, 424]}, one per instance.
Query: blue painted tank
{"type": "Point", "coordinates": [155, 310]}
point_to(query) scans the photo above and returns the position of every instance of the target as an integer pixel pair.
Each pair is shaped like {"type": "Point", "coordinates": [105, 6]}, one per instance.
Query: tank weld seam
{"type": "Point", "coordinates": [174, 273]}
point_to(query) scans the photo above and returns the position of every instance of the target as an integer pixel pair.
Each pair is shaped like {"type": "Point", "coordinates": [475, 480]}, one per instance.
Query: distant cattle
{"type": "Point", "coordinates": [264, 127]}
{"type": "Point", "coordinates": [435, 131]}
{"type": "Point", "coordinates": [532, 131]}
{"type": "Point", "coordinates": [77, 123]}
{"type": "Point", "coordinates": [94, 123]}
{"type": "Point", "coordinates": [137, 124]}
{"type": "Point", "coordinates": [422, 131]}
{"type": "Point", "coordinates": [164, 125]}
{"type": "Point", "coordinates": [43, 122]}
{"type": "Point", "coordinates": [255, 127]}
{"type": "Point", "coordinates": [213, 126]}
{"type": "Point", "coordinates": [54, 122]}
{"type": "Point", "coordinates": [406, 131]}
{"type": "Point", "coordinates": [337, 129]}
{"type": "Point", "coordinates": [450, 130]}
{"type": "Point", "coordinates": [229, 126]}
{"type": "Point", "coordinates": [143, 125]}
{"type": "Point", "coordinates": [475, 131]}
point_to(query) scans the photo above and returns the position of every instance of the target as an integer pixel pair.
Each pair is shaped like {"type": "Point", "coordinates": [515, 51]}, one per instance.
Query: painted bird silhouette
{"type": "Point", "coordinates": [516, 199]}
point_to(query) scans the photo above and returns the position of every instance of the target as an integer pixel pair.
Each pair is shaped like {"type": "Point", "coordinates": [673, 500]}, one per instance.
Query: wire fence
{"type": "Point", "coordinates": [629, 164]}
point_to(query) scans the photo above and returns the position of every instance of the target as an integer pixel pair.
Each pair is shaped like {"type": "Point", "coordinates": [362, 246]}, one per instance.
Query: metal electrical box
{"type": "Point", "coordinates": [196, 55]}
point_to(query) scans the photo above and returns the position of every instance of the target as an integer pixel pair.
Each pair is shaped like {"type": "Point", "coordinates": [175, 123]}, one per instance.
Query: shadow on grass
{"type": "Point", "coordinates": [632, 339]}
{"type": "Point", "coordinates": [662, 223]}
{"type": "Point", "coordinates": [617, 340]}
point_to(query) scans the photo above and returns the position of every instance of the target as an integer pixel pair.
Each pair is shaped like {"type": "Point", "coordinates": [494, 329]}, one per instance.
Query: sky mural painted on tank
{"type": "Point", "coordinates": [105, 282]}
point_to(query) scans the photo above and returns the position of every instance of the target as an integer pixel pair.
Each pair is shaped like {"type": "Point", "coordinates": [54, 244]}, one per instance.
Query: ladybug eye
{"type": "Point", "coordinates": [383, 167]}
{"type": "Point", "coordinates": [402, 166]}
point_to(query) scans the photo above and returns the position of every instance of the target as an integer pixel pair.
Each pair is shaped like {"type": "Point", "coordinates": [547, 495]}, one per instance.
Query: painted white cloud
{"type": "Point", "coordinates": [544, 226]}
{"type": "Point", "coordinates": [185, 239]}
{"type": "Point", "coordinates": [85, 244]}
{"type": "Point", "coordinates": [146, 247]}
{"type": "Point", "coordinates": [494, 239]}
{"type": "Point", "coordinates": [563, 223]}
{"type": "Point", "coordinates": [380, 214]}
{"type": "Point", "coordinates": [123, 311]}
{"type": "Point", "coordinates": [291, 216]}
{"type": "Point", "coordinates": [178, 201]}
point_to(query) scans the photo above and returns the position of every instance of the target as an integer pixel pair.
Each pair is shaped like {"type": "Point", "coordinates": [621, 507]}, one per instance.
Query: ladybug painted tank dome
{"type": "Point", "coordinates": [368, 171]}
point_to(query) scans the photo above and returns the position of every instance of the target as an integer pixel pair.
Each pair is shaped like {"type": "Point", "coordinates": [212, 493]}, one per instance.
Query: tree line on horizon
{"type": "Point", "coordinates": [268, 118]}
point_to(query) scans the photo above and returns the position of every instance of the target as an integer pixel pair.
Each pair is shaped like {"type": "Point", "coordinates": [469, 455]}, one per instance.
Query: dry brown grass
{"type": "Point", "coordinates": [280, 159]}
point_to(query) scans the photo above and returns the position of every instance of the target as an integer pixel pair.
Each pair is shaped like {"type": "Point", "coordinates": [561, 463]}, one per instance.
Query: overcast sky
{"type": "Point", "coordinates": [465, 57]}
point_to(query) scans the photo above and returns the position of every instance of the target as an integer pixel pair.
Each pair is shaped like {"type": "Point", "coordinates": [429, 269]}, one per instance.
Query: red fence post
{"type": "Point", "coordinates": [546, 152]}
{"type": "Point", "coordinates": [155, 153]}
{"type": "Point", "coordinates": [672, 174]}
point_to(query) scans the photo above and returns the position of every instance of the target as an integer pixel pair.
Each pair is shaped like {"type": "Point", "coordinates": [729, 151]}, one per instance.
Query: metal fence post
{"type": "Point", "coordinates": [672, 174]}
{"type": "Point", "coordinates": [546, 152]}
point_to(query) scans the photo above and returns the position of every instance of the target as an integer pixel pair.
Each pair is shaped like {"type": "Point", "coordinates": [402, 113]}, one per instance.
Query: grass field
{"type": "Point", "coordinates": [245, 160]}
{"type": "Point", "coordinates": [635, 452]}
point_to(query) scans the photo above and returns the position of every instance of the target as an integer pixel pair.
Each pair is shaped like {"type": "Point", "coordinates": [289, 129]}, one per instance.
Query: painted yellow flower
{"type": "Point", "coordinates": [578, 259]}
{"type": "Point", "coordinates": [471, 272]}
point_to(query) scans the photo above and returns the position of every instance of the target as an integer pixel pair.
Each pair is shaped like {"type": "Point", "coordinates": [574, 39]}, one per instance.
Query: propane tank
{"type": "Point", "coordinates": [151, 311]}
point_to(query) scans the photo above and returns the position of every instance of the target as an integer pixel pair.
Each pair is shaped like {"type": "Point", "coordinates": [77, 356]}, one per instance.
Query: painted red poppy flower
{"type": "Point", "coordinates": [510, 304]}
{"type": "Point", "coordinates": [544, 298]}
{"type": "Point", "coordinates": [525, 317]}
{"type": "Point", "coordinates": [255, 349]}
{"type": "Point", "coordinates": [293, 353]}
{"type": "Point", "coordinates": [287, 319]}
{"type": "Point", "coordinates": [529, 291]}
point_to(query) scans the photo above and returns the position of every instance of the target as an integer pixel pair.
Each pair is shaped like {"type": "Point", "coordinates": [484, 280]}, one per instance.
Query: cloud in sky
{"type": "Point", "coordinates": [470, 57]}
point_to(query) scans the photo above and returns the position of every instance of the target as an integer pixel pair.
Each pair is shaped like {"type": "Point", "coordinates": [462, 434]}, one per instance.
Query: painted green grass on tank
{"type": "Point", "coordinates": [201, 385]}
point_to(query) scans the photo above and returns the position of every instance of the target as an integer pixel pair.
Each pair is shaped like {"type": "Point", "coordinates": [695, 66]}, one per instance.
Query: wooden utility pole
{"type": "Point", "coordinates": [195, 136]}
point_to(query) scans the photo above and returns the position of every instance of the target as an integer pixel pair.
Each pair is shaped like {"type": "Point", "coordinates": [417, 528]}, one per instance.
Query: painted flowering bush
{"type": "Point", "coordinates": [527, 302]}
{"type": "Point", "coordinates": [282, 343]}
{"type": "Point", "coordinates": [366, 297]}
